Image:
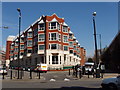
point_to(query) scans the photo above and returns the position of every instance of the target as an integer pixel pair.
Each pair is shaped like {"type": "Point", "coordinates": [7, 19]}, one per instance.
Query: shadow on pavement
{"type": "Point", "coordinates": [62, 88]}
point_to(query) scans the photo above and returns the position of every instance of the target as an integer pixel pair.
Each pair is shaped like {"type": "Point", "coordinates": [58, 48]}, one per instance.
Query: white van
{"type": "Point", "coordinates": [41, 68]}
{"type": "Point", "coordinates": [89, 66]}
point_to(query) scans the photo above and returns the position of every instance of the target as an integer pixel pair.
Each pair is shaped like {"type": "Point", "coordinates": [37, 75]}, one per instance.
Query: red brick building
{"type": "Point", "coordinates": [48, 40]}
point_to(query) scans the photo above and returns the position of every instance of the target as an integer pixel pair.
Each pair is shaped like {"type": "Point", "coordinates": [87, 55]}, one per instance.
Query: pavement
{"type": "Point", "coordinates": [55, 76]}
{"type": "Point", "coordinates": [54, 80]}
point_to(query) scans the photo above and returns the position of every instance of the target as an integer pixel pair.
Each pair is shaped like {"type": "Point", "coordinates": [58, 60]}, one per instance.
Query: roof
{"type": "Point", "coordinates": [10, 38]}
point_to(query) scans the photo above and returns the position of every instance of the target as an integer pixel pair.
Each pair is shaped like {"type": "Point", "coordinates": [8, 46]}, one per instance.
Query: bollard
{"type": "Point", "coordinates": [11, 74]}
{"type": "Point", "coordinates": [30, 74]}
{"type": "Point", "coordinates": [39, 74]}
{"type": "Point", "coordinates": [3, 74]}
{"type": "Point", "coordinates": [80, 74]}
{"type": "Point", "coordinates": [21, 74]}
{"type": "Point", "coordinates": [69, 71]}
{"type": "Point", "coordinates": [88, 73]}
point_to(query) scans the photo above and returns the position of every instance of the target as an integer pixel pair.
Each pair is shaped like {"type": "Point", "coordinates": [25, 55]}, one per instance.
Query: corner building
{"type": "Point", "coordinates": [48, 40]}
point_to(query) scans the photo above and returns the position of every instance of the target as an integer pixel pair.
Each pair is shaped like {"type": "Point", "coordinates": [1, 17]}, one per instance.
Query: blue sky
{"type": "Point", "coordinates": [77, 15]}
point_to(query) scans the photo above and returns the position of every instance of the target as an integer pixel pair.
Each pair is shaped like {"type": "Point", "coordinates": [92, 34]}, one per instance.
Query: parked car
{"type": "Point", "coordinates": [3, 71]}
{"type": "Point", "coordinates": [111, 83]}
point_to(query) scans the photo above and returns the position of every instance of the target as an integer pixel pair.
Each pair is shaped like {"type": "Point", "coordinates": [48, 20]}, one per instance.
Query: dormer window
{"type": "Point", "coordinates": [54, 26]}
{"type": "Point", "coordinates": [41, 27]}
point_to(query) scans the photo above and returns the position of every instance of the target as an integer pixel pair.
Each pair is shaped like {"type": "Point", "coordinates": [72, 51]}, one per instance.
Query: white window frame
{"type": "Point", "coordinates": [29, 35]}
{"type": "Point", "coordinates": [41, 45]}
{"type": "Point", "coordinates": [54, 27]}
{"type": "Point", "coordinates": [64, 40]}
{"type": "Point", "coordinates": [22, 48]}
{"type": "Point", "coordinates": [70, 44]}
{"type": "Point", "coordinates": [64, 47]}
{"type": "Point", "coordinates": [55, 61]}
{"type": "Point", "coordinates": [64, 30]}
{"type": "Point", "coordinates": [50, 38]}
{"type": "Point", "coordinates": [59, 26]}
{"type": "Point", "coordinates": [59, 37]}
{"type": "Point", "coordinates": [51, 46]}
{"type": "Point", "coordinates": [41, 28]}
{"type": "Point", "coordinates": [41, 39]}
{"type": "Point", "coordinates": [29, 45]}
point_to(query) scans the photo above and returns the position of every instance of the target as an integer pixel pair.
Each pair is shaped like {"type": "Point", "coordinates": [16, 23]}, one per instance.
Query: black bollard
{"type": "Point", "coordinates": [88, 73]}
{"type": "Point", "coordinates": [69, 71]}
{"type": "Point", "coordinates": [21, 74]}
{"type": "Point", "coordinates": [39, 74]}
{"type": "Point", "coordinates": [3, 74]}
{"type": "Point", "coordinates": [11, 74]}
{"type": "Point", "coordinates": [80, 74]}
{"type": "Point", "coordinates": [30, 74]}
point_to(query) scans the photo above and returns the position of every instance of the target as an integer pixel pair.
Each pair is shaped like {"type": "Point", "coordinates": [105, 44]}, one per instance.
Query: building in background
{"type": "Point", "coordinates": [48, 40]}
{"type": "Point", "coordinates": [8, 44]}
{"type": "Point", "coordinates": [83, 56]}
{"type": "Point", "coordinates": [2, 58]}
{"type": "Point", "coordinates": [111, 55]}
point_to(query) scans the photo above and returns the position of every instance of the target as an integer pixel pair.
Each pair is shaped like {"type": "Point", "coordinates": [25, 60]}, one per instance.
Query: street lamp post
{"type": "Point", "coordinates": [96, 54]}
{"type": "Point", "coordinates": [19, 40]}
{"type": "Point", "coordinates": [100, 44]}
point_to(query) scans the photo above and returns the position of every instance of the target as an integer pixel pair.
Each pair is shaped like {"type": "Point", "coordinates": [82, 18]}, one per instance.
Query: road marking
{"type": "Point", "coordinates": [52, 80]}
{"type": "Point", "coordinates": [66, 79]}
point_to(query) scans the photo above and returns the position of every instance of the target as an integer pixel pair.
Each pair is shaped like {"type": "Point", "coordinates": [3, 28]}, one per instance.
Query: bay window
{"type": "Point", "coordinates": [65, 29]}
{"type": "Point", "coordinates": [29, 43]}
{"type": "Point", "coordinates": [53, 36]}
{"type": "Point", "coordinates": [65, 38]}
{"type": "Point", "coordinates": [71, 44]}
{"type": "Point", "coordinates": [53, 46]}
{"type": "Point", "coordinates": [54, 59]}
{"type": "Point", "coordinates": [59, 37]}
{"type": "Point", "coordinates": [54, 25]}
{"type": "Point", "coordinates": [41, 47]}
{"type": "Point", "coordinates": [41, 37]}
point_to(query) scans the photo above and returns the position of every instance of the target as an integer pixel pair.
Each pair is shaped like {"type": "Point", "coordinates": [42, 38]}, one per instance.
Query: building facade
{"type": "Point", "coordinates": [48, 40]}
{"type": "Point", "coordinates": [2, 57]}
{"type": "Point", "coordinates": [111, 55]}
{"type": "Point", "coordinates": [83, 56]}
